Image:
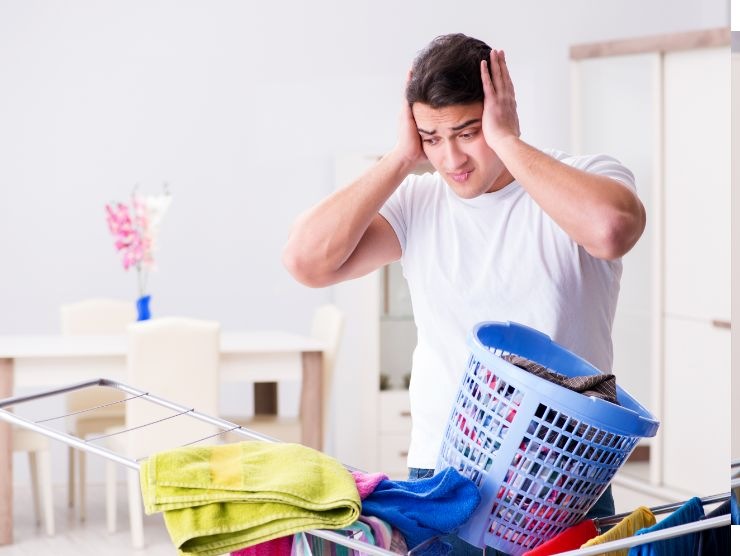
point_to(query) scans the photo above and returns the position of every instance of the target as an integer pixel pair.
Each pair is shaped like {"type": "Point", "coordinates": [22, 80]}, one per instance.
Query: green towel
{"type": "Point", "coordinates": [217, 499]}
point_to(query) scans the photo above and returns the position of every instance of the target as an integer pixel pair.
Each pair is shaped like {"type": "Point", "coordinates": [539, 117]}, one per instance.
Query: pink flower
{"type": "Point", "coordinates": [133, 236]}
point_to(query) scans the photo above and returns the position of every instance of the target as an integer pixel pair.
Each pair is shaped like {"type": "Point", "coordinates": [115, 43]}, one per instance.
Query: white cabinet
{"type": "Point", "coordinates": [370, 431]}
{"type": "Point", "coordinates": [735, 242]}
{"type": "Point", "coordinates": [697, 270]}
{"type": "Point", "coordinates": [696, 422]}
{"type": "Point", "coordinates": [672, 129]}
{"type": "Point", "coordinates": [697, 184]}
{"type": "Point", "coordinates": [394, 431]}
{"type": "Point", "coordinates": [616, 107]}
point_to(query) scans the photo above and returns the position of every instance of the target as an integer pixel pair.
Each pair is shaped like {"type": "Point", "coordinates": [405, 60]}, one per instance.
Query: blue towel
{"type": "Point", "coordinates": [734, 510]}
{"type": "Point", "coordinates": [685, 545]}
{"type": "Point", "coordinates": [425, 508]}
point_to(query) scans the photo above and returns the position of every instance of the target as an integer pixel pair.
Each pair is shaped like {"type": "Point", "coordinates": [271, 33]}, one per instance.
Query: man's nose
{"type": "Point", "coordinates": [454, 157]}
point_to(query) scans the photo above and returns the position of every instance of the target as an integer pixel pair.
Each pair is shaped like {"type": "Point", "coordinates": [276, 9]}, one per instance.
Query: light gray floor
{"type": "Point", "coordinates": [88, 538]}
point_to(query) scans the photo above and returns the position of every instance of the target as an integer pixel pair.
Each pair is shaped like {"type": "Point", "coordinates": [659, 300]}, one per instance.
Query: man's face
{"type": "Point", "coordinates": [453, 142]}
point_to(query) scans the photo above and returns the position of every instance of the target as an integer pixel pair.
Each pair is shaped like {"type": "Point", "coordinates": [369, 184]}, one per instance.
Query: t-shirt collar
{"type": "Point", "coordinates": [486, 198]}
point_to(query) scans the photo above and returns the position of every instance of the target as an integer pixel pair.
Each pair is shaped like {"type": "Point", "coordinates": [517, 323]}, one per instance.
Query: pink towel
{"type": "Point", "coordinates": [276, 547]}
{"type": "Point", "coordinates": [366, 482]}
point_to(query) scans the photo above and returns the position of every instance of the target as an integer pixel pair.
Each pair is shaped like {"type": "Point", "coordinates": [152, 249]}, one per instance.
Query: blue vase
{"type": "Point", "coordinates": [142, 307]}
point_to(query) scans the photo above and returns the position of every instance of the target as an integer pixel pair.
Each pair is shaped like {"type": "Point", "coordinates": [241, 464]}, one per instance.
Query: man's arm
{"type": "Point", "coordinates": [344, 237]}
{"type": "Point", "coordinates": [599, 213]}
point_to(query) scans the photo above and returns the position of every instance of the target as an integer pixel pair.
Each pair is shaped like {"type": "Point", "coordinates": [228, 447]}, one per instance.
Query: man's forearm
{"type": "Point", "coordinates": [324, 237]}
{"type": "Point", "coordinates": [597, 212]}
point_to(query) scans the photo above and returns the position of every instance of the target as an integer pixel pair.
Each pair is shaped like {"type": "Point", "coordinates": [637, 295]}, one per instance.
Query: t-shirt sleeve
{"type": "Point", "coordinates": [601, 164]}
{"type": "Point", "coordinates": [608, 166]}
{"type": "Point", "coordinates": [397, 209]}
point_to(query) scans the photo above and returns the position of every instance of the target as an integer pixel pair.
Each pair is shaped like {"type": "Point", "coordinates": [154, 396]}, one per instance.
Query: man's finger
{"type": "Point", "coordinates": [485, 77]}
{"type": "Point", "coordinates": [508, 83]}
{"type": "Point", "coordinates": [405, 107]}
{"type": "Point", "coordinates": [498, 84]}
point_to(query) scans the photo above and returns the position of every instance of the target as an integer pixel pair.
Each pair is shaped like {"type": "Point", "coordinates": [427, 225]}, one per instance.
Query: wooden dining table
{"type": "Point", "coordinates": [49, 361]}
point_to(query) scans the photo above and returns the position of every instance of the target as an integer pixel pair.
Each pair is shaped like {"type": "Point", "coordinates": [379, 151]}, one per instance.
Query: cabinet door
{"type": "Point", "coordinates": [697, 183]}
{"type": "Point", "coordinates": [696, 419]}
{"type": "Point", "coordinates": [736, 254]}
{"type": "Point", "coordinates": [616, 111]}
{"type": "Point", "coordinates": [358, 360]}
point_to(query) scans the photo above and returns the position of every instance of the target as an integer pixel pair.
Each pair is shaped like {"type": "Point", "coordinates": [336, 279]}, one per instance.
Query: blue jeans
{"type": "Point", "coordinates": [604, 507]}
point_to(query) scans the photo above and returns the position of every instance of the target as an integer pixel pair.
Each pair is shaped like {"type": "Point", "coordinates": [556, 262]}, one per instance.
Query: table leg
{"type": "Point", "coordinates": [265, 398]}
{"type": "Point", "coordinates": [6, 458]}
{"type": "Point", "coordinates": [312, 422]}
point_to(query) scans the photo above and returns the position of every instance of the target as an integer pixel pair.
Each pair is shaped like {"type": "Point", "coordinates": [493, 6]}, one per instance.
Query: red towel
{"type": "Point", "coordinates": [570, 539]}
{"type": "Point", "coordinates": [281, 546]}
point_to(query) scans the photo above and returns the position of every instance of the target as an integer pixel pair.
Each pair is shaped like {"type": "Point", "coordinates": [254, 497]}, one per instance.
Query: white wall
{"type": "Point", "coordinates": [241, 107]}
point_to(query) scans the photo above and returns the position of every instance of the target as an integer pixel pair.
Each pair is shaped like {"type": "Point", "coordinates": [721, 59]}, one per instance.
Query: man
{"type": "Point", "coordinates": [501, 231]}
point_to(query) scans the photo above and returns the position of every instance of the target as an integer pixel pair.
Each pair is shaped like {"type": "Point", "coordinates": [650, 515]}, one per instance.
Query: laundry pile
{"type": "Point", "coordinates": [253, 498]}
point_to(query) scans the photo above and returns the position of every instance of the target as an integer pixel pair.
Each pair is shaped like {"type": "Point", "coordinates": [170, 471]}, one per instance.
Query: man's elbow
{"type": "Point", "coordinates": [303, 269]}
{"type": "Point", "coordinates": [618, 235]}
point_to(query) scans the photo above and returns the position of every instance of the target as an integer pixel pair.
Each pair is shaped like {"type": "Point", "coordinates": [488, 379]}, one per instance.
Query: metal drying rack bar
{"type": "Point", "coordinates": [88, 446]}
{"type": "Point", "coordinates": [227, 427]}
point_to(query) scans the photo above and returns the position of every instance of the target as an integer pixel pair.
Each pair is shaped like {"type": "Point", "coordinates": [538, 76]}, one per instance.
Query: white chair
{"type": "Point", "coordinates": [176, 359]}
{"type": "Point", "coordinates": [37, 447]}
{"type": "Point", "coordinates": [327, 327]}
{"type": "Point", "coordinates": [92, 317]}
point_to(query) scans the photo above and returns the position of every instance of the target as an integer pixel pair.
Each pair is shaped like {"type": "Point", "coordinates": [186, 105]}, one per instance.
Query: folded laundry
{"type": "Point", "coordinates": [570, 539]}
{"type": "Point", "coordinates": [602, 386]}
{"type": "Point", "coordinates": [305, 544]}
{"type": "Point", "coordinates": [685, 545]}
{"type": "Point", "coordinates": [716, 541]}
{"type": "Point", "coordinates": [275, 547]}
{"type": "Point", "coordinates": [366, 482]}
{"type": "Point", "coordinates": [217, 499]}
{"type": "Point", "coordinates": [424, 508]}
{"type": "Point", "coordinates": [641, 517]}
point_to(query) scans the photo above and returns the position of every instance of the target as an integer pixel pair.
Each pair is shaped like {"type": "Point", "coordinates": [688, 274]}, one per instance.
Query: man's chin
{"type": "Point", "coordinates": [467, 191]}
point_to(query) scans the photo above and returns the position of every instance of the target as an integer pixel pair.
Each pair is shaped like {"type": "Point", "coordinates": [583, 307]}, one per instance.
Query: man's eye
{"type": "Point", "coordinates": [467, 135]}
{"type": "Point", "coordinates": [430, 141]}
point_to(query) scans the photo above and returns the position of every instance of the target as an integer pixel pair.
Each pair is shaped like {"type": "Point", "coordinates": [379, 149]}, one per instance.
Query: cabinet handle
{"type": "Point", "coordinates": [717, 323]}
{"type": "Point", "coordinates": [408, 413]}
{"type": "Point", "coordinates": [403, 454]}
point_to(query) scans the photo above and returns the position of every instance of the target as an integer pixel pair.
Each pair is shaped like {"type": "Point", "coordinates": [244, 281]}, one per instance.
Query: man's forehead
{"type": "Point", "coordinates": [446, 118]}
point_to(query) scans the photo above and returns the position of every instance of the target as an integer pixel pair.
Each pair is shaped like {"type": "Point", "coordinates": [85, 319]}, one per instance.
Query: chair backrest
{"type": "Point", "coordinates": [176, 359]}
{"type": "Point", "coordinates": [327, 326]}
{"type": "Point", "coordinates": [97, 316]}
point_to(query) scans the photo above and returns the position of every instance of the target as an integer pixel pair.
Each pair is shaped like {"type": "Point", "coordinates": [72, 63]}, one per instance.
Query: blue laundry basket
{"type": "Point", "coordinates": [541, 454]}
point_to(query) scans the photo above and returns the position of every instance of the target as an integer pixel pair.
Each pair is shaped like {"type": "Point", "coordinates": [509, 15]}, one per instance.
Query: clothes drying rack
{"type": "Point", "coordinates": [87, 445]}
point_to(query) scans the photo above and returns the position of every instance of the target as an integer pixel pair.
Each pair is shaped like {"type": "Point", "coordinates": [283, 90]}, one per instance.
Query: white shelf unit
{"type": "Point", "coordinates": [373, 427]}
{"type": "Point", "coordinates": [735, 243]}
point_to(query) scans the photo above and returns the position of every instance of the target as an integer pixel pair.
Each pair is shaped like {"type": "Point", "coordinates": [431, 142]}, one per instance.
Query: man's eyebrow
{"type": "Point", "coordinates": [466, 124]}
{"type": "Point", "coordinates": [456, 128]}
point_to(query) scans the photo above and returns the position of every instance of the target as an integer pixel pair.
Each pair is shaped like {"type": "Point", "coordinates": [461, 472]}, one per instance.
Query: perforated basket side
{"type": "Point", "coordinates": [559, 471]}
{"type": "Point", "coordinates": [539, 466]}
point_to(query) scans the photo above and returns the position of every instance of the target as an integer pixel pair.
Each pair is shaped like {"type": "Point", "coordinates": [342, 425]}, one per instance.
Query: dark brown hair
{"type": "Point", "coordinates": [447, 72]}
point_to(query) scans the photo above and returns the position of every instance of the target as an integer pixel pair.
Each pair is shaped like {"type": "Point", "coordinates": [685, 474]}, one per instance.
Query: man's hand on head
{"type": "Point", "coordinates": [500, 119]}
{"type": "Point", "coordinates": [409, 146]}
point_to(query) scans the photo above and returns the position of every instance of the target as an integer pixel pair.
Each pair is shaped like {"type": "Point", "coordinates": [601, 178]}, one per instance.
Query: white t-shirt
{"type": "Point", "coordinates": [497, 257]}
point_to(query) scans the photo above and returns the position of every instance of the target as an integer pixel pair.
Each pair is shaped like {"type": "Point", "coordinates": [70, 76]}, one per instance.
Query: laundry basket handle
{"type": "Point", "coordinates": [522, 340]}
{"type": "Point", "coordinates": [512, 333]}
